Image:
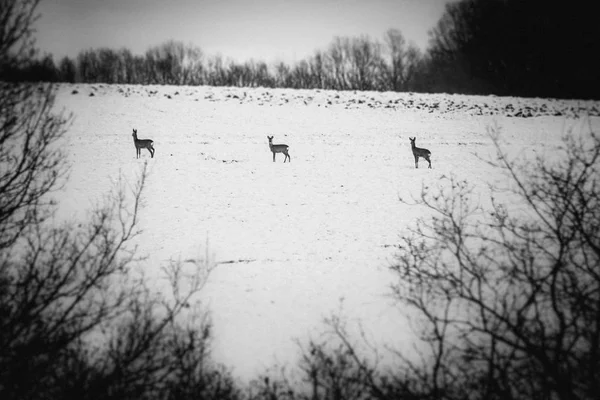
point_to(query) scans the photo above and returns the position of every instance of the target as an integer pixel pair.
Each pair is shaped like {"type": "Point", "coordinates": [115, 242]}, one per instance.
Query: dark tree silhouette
{"type": "Point", "coordinates": [520, 48]}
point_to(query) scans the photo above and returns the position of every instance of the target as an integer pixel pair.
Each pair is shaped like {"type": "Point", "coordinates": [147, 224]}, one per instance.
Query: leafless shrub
{"type": "Point", "coordinates": [504, 295]}
{"type": "Point", "coordinates": [509, 298]}
{"type": "Point", "coordinates": [75, 320]}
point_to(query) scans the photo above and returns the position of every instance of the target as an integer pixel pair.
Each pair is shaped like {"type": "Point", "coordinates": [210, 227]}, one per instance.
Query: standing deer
{"type": "Point", "coordinates": [142, 144]}
{"type": "Point", "coordinates": [419, 152]}
{"type": "Point", "coordinates": [279, 148]}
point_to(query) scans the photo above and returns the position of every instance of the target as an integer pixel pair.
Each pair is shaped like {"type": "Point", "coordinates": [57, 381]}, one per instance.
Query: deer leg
{"type": "Point", "coordinates": [273, 156]}
{"type": "Point", "coordinates": [429, 161]}
{"type": "Point", "coordinates": [416, 162]}
{"type": "Point", "coordinates": [288, 156]}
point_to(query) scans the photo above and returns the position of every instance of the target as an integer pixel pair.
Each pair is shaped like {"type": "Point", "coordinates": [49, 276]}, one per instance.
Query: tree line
{"type": "Point", "coordinates": [359, 63]}
{"type": "Point", "coordinates": [502, 47]}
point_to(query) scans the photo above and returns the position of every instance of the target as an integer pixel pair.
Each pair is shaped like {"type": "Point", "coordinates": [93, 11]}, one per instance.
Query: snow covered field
{"type": "Point", "coordinates": [294, 242]}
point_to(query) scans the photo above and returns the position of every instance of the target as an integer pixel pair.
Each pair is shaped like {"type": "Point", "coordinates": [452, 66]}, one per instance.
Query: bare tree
{"type": "Point", "coordinates": [318, 70]}
{"type": "Point", "coordinates": [504, 295]}
{"type": "Point", "coordinates": [74, 320]}
{"type": "Point", "coordinates": [30, 165]}
{"type": "Point", "coordinates": [403, 61]}
{"type": "Point", "coordinates": [338, 56]}
{"type": "Point", "coordinates": [16, 40]}
{"type": "Point", "coordinates": [509, 298]}
{"type": "Point", "coordinates": [366, 61]}
{"type": "Point", "coordinates": [282, 74]}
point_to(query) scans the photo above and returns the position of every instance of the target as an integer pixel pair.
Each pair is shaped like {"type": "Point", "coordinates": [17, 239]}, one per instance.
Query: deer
{"type": "Point", "coordinates": [419, 152]}
{"type": "Point", "coordinates": [279, 148]}
{"type": "Point", "coordinates": [142, 144]}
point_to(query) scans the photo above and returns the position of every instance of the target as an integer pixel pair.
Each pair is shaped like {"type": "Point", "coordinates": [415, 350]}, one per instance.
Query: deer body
{"type": "Point", "coordinates": [142, 144]}
{"type": "Point", "coordinates": [279, 148]}
{"type": "Point", "coordinates": [419, 152]}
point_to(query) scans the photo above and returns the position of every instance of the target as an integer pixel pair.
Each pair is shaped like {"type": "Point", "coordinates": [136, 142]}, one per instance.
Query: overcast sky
{"type": "Point", "coordinates": [266, 30]}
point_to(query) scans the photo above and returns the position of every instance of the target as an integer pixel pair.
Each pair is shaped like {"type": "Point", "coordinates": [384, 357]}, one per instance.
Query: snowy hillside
{"type": "Point", "coordinates": [295, 241]}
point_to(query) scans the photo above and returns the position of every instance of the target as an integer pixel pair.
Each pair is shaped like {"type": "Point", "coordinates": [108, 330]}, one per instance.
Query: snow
{"type": "Point", "coordinates": [293, 242]}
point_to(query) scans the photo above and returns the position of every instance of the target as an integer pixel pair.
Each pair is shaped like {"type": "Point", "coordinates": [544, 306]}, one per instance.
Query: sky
{"type": "Point", "coordinates": [265, 30]}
